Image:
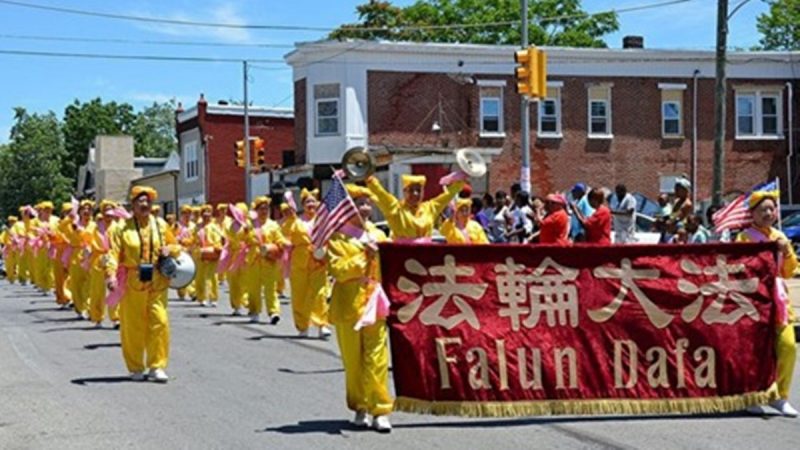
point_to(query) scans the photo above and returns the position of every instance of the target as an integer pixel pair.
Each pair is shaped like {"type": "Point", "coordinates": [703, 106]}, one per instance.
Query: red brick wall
{"type": "Point", "coordinates": [403, 106]}
{"type": "Point", "coordinates": [300, 121]}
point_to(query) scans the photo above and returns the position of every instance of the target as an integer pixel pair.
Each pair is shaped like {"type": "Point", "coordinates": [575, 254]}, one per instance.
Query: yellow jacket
{"type": "Point", "coordinates": [298, 233]}
{"type": "Point", "coordinates": [348, 265]}
{"type": "Point", "coordinates": [126, 251]}
{"type": "Point", "coordinates": [210, 239]}
{"type": "Point", "coordinates": [789, 262]}
{"type": "Point", "coordinates": [186, 239]}
{"type": "Point", "coordinates": [408, 223]}
{"type": "Point", "coordinates": [454, 235]}
{"type": "Point", "coordinates": [268, 233]}
{"type": "Point", "coordinates": [80, 239]}
{"type": "Point", "coordinates": [101, 245]}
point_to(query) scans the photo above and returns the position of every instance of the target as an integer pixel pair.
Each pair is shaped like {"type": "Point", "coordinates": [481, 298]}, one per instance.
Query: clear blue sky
{"type": "Point", "coordinates": [42, 84]}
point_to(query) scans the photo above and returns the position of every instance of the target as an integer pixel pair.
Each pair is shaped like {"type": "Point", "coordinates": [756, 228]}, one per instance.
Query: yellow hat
{"type": "Point", "coordinates": [462, 202]}
{"type": "Point", "coordinates": [170, 216]}
{"type": "Point", "coordinates": [12, 219]}
{"type": "Point", "coordinates": [107, 204]}
{"type": "Point", "coordinates": [305, 193]}
{"type": "Point", "coordinates": [356, 191]}
{"type": "Point", "coordinates": [156, 208]}
{"type": "Point", "coordinates": [66, 207]}
{"type": "Point", "coordinates": [206, 209]}
{"type": "Point", "coordinates": [85, 203]}
{"type": "Point", "coordinates": [47, 205]}
{"type": "Point", "coordinates": [137, 191]}
{"type": "Point", "coordinates": [285, 207]}
{"type": "Point", "coordinates": [222, 206]}
{"type": "Point", "coordinates": [186, 209]}
{"type": "Point", "coordinates": [410, 180]}
{"type": "Point", "coordinates": [260, 200]}
{"type": "Point", "coordinates": [759, 196]}
{"type": "Point", "coordinates": [98, 217]}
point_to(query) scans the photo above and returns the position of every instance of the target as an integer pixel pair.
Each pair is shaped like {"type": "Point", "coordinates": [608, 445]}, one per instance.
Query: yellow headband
{"type": "Point", "coordinates": [186, 209]}
{"type": "Point", "coordinates": [305, 193]}
{"type": "Point", "coordinates": [137, 191]}
{"type": "Point", "coordinates": [107, 204]}
{"type": "Point", "coordinates": [46, 205]}
{"type": "Point", "coordinates": [462, 202]}
{"type": "Point", "coordinates": [206, 209]}
{"type": "Point", "coordinates": [357, 191]}
{"type": "Point", "coordinates": [222, 206]}
{"type": "Point", "coordinates": [410, 180]}
{"type": "Point", "coordinates": [260, 200]}
{"type": "Point", "coordinates": [12, 219]}
{"type": "Point", "coordinates": [759, 196]}
{"type": "Point", "coordinates": [66, 207]}
{"type": "Point", "coordinates": [242, 207]}
{"type": "Point", "coordinates": [85, 203]}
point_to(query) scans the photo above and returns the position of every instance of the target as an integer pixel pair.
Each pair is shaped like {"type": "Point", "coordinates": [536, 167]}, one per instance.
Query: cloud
{"type": "Point", "coordinates": [226, 12]}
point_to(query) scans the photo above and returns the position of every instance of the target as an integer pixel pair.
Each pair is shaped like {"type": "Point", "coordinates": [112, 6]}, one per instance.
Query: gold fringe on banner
{"type": "Point", "coordinates": [699, 405]}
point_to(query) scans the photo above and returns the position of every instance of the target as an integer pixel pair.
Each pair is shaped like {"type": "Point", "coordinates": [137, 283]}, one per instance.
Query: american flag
{"type": "Point", "coordinates": [336, 209]}
{"type": "Point", "coordinates": [736, 215]}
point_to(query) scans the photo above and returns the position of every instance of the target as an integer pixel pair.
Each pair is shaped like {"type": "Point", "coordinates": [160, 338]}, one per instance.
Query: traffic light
{"type": "Point", "coordinates": [531, 72]}
{"type": "Point", "coordinates": [259, 161]}
{"type": "Point", "coordinates": [239, 153]}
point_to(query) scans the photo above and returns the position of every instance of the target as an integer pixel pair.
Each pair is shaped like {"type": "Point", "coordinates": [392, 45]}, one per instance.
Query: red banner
{"type": "Point", "coordinates": [529, 330]}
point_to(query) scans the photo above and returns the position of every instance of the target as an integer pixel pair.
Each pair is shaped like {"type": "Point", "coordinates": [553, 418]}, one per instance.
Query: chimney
{"type": "Point", "coordinates": [633, 42]}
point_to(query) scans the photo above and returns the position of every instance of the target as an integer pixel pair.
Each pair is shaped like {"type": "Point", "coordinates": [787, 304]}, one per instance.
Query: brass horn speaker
{"type": "Point", "coordinates": [471, 163]}
{"type": "Point", "coordinates": [358, 163]}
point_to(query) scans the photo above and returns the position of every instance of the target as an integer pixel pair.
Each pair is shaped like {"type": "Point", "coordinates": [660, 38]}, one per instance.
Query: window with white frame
{"type": "Point", "coordinates": [191, 162]}
{"type": "Point", "coordinates": [672, 110]}
{"type": "Point", "coordinates": [758, 114]}
{"type": "Point", "coordinates": [550, 113]}
{"type": "Point", "coordinates": [491, 114]}
{"type": "Point", "coordinates": [327, 109]}
{"type": "Point", "coordinates": [600, 111]}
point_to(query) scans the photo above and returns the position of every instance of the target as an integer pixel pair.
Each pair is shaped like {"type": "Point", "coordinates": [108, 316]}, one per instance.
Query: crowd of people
{"type": "Point", "coordinates": [105, 262]}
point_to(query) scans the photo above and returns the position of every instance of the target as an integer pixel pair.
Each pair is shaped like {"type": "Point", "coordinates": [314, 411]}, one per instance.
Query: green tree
{"type": "Point", "coordinates": [84, 121]}
{"type": "Point", "coordinates": [153, 130]}
{"type": "Point", "coordinates": [552, 22]}
{"type": "Point", "coordinates": [780, 26]}
{"type": "Point", "coordinates": [31, 163]}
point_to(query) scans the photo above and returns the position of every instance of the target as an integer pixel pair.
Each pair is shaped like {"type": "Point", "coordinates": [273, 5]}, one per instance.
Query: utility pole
{"type": "Point", "coordinates": [246, 140]}
{"type": "Point", "coordinates": [720, 99]}
{"type": "Point", "coordinates": [525, 117]}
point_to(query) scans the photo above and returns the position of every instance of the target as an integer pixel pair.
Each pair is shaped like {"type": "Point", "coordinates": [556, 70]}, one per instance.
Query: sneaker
{"type": "Point", "coordinates": [98, 324]}
{"type": "Point", "coordinates": [236, 313]}
{"type": "Point", "coordinates": [784, 408]}
{"type": "Point", "coordinates": [205, 304]}
{"type": "Point", "coordinates": [303, 334]}
{"type": "Point", "coordinates": [324, 332]}
{"type": "Point", "coordinates": [158, 375]}
{"type": "Point", "coordinates": [274, 319]}
{"type": "Point", "coordinates": [116, 324]}
{"type": "Point", "coordinates": [253, 318]}
{"type": "Point", "coordinates": [361, 420]}
{"type": "Point", "coordinates": [85, 316]}
{"type": "Point", "coordinates": [756, 410]}
{"type": "Point", "coordinates": [213, 304]}
{"type": "Point", "coordinates": [381, 424]}
{"type": "Point", "coordinates": [137, 376]}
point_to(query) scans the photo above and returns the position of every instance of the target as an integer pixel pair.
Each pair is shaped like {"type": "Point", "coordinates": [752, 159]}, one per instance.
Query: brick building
{"type": "Point", "coordinates": [207, 134]}
{"type": "Point", "coordinates": [630, 115]}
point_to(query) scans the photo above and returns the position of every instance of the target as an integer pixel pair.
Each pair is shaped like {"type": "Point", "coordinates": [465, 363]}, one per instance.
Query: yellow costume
{"type": "Point", "coordinates": [45, 266]}
{"type": "Point", "coordinates": [307, 276]}
{"type": "Point", "coordinates": [223, 222]}
{"type": "Point", "coordinates": [10, 249]}
{"type": "Point", "coordinates": [365, 353]}
{"type": "Point", "coordinates": [143, 306]}
{"type": "Point", "coordinates": [23, 232]}
{"type": "Point", "coordinates": [208, 240]}
{"type": "Point", "coordinates": [407, 222]}
{"type": "Point", "coordinates": [236, 236]}
{"type": "Point", "coordinates": [184, 232]}
{"type": "Point", "coordinates": [59, 240]}
{"type": "Point", "coordinates": [263, 264]}
{"type": "Point", "coordinates": [472, 233]}
{"type": "Point", "coordinates": [79, 237]}
{"type": "Point", "coordinates": [100, 247]}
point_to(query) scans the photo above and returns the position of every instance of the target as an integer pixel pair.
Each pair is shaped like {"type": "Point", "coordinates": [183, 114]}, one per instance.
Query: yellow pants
{"type": "Point", "coordinates": [79, 286]}
{"type": "Point", "coordinates": [44, 269]}
{"type": "Point", "coordinates": [262, 280]}
{"type": "Point", "coordinates": [787, 354]}
{"type": "Point", "coordinates": [11, 266]}
{"type": "Point", "coordinates": [237, 289]}
{"type": "Point", "coordinates": [23, 266]}
{"type": "Point", "coordinates": [309, 297]}
{"type": "Point", "coordinates": [63, 295]}
{"type": "Point", "coordinates": [365, 355]}
{"type": "Point", "coordinates": [206, 281]}
{"type": "Point", "coordinates": [144, 327]}
{"type": "Point", "coordinates": [97, 297]}
{"type": "Point", "coordinates": [188, 291]}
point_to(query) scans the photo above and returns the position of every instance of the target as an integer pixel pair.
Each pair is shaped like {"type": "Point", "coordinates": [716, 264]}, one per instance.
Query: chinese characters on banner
{"type": "Point", "coordinates": [520, 330]}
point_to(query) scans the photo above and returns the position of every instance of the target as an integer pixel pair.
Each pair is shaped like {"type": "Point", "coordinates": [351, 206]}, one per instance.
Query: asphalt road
{"type": "Point", "coordinates": [63, 385]}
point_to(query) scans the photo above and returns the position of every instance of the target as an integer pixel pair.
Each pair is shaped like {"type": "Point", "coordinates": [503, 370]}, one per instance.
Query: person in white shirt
{"type": "Point", "coordinates": [623, 209]}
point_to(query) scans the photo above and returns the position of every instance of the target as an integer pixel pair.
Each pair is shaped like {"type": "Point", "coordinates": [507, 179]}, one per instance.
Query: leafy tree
{"type": "Point", "coordinates": [552, 22]}
{"type": "Point", "coordinates": [153, 130]}
{"type": "Point", "coordinates": [84, 121]}
{"type": "Point", "coordinates": [31, 163]}
{"type": "Point", "coordinates": [780, 27]}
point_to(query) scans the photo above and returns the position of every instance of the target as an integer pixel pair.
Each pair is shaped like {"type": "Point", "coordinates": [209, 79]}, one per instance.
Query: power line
{"type": "Point", "coordinates": [137, 57]}
{"type": "Point", "coordinates": [161, 20]}
{"type": "Point", "coordinates": [30, 37]}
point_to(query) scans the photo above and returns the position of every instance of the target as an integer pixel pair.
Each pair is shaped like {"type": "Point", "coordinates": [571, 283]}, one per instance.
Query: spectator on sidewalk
{"type": "Point", "coordinates": [580, 202]}
{"type": "Point", "coordinates": [623, 209]}
{"type": "Point", "coordinates": [598, 226]}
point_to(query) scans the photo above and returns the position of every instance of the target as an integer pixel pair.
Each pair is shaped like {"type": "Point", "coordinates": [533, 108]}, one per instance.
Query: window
{"type": "Point", "coordinates": [600, 111]}
{"type": "Point", "coordinates": [550, 113]}
{"type": "Point", "coordinates": [492, 111]}
{"type": "Point", "coordinates": [758, 115]}
{"type": "Point", "coordinates": [326, 97]}
{"type": "Point", "coordinates": [672, 110]}
{"type": "Point", "coordinates": [191, 163]}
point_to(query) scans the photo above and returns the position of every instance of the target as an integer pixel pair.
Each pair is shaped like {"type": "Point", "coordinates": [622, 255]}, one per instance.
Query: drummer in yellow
{"type": "Point", "coordinates": [11, 249]}
{"type": "Point", "coordinates": [307, 274]}
{"type": "Point", "coordinates": [461, 229]}
{"type": "Point", "coordinates": [764, 209]}
{"type": "Point", "coordinates": [353, 263]}
{"type": "Point", "coordinates": [184, 231]}
{"type": "Point", "coordinates": [412, 218]}
{"type": "Point", "coordinates": [79, 236]}
{"type": "Point", "coordinates": [264, 263]}
{"type": "Point", "coordinates": [135, 248]}
{"type": "Point", "coordinates": [208, 245]}
{"type": "Point", "coordinates": [100, 247]}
